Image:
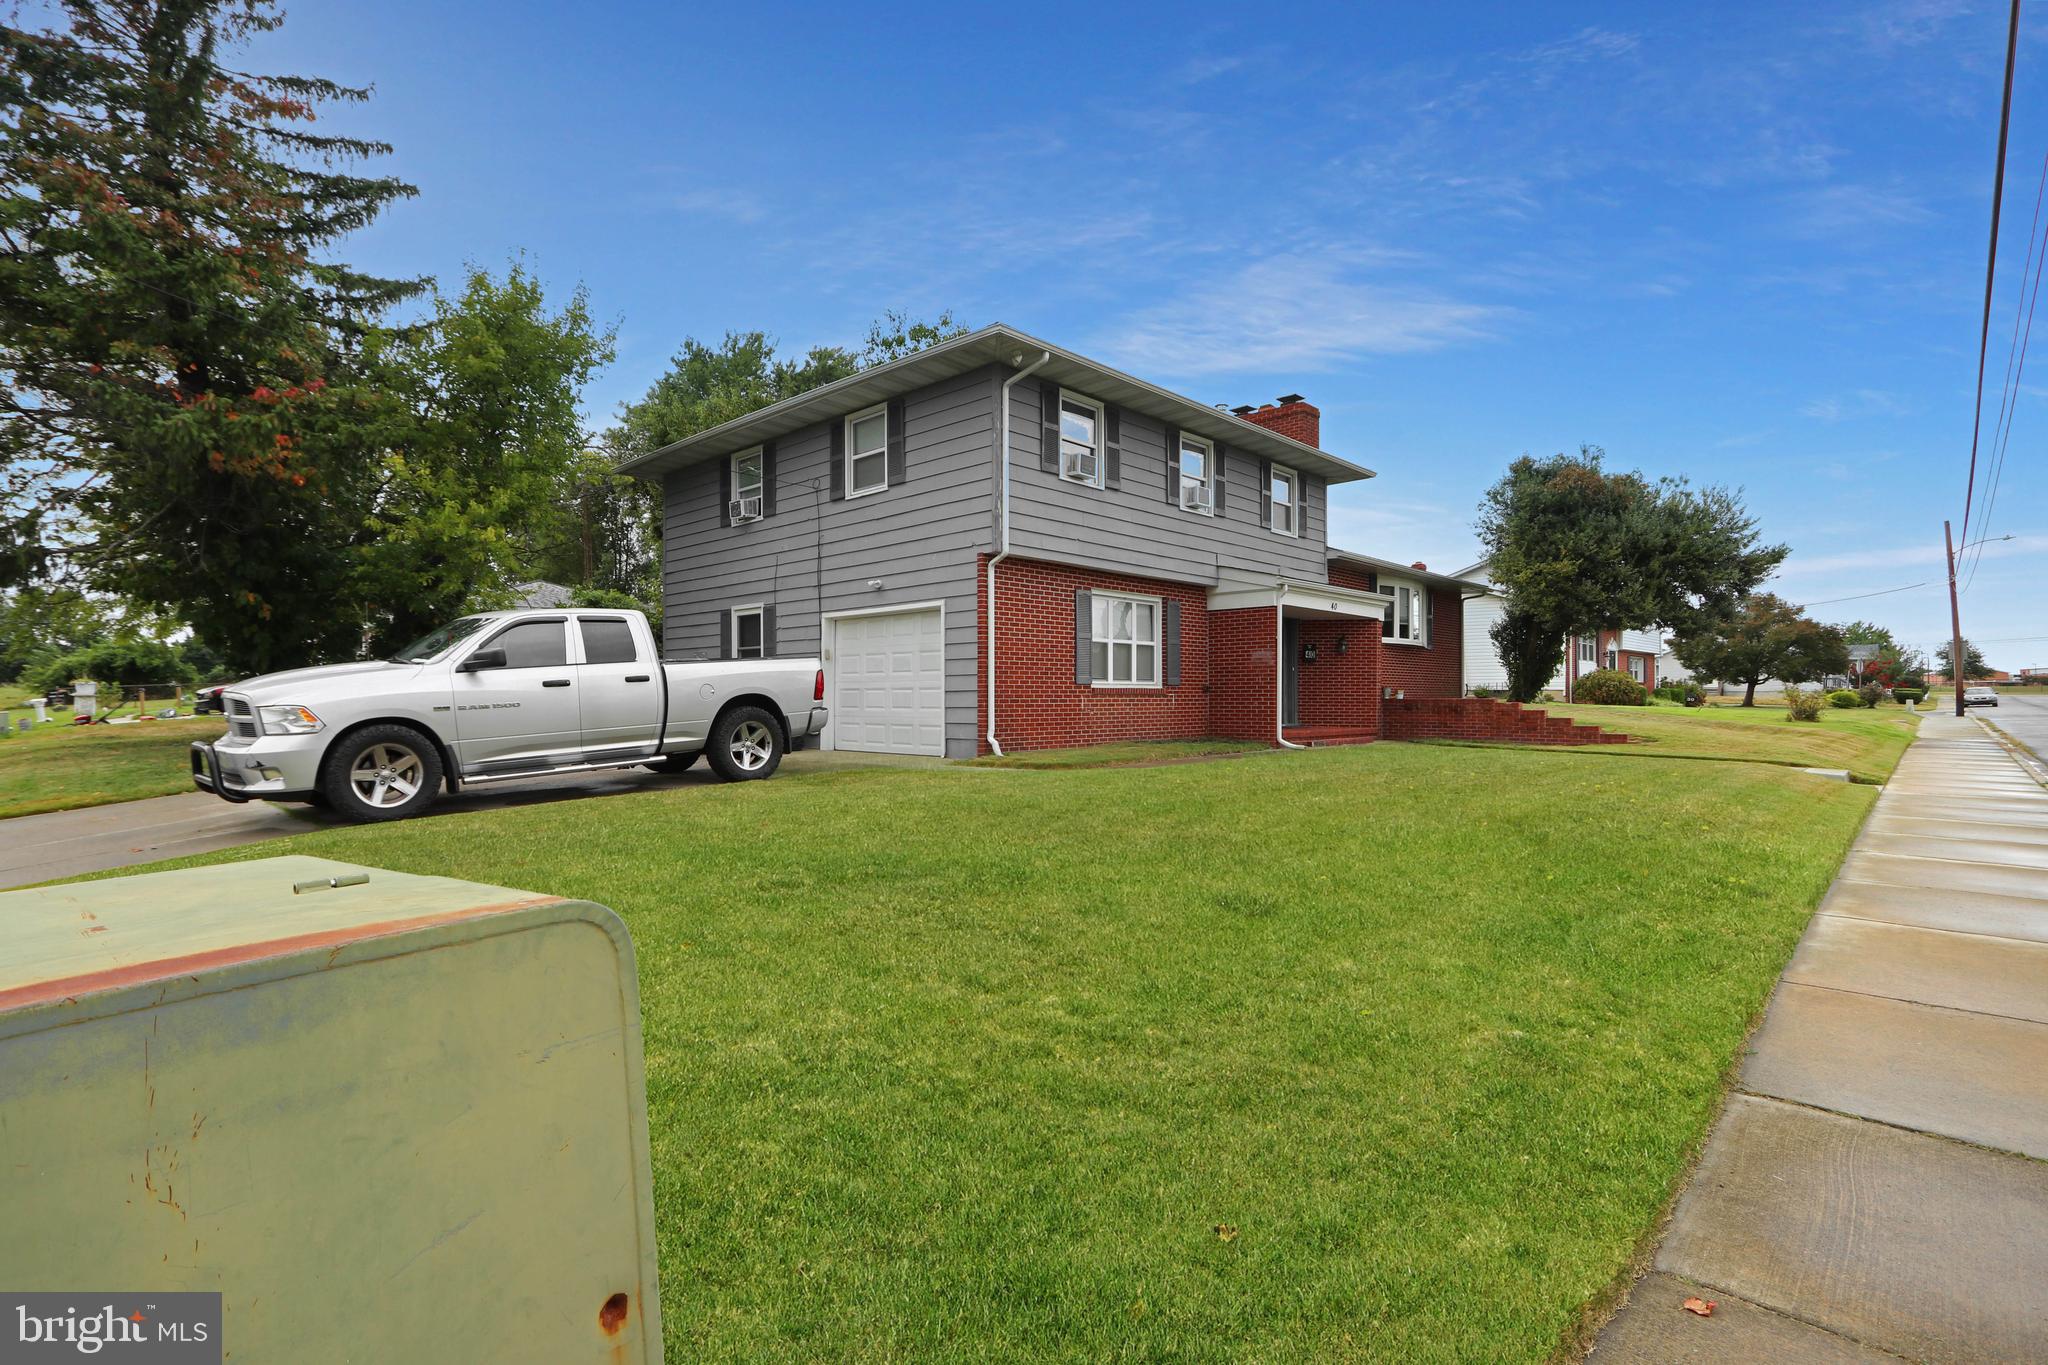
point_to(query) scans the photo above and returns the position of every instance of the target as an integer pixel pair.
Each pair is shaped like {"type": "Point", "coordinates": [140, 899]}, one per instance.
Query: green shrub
{"type": "Point", "coordinates": [1687, 693]}
{"type": "Point", "coordinates": [1844, 699]}
{"type": "Point", "coordinates": [1871, 693]}
{"type": "Point", "coordinates": [1482, 693]}
{"type": "Point", "coordinates": [113, 662]}
{"type": "Point", "coordinates": [1610, 687]}
{"type": "Point", "coordinates": [1902, 695]}
{"type": "Point", "coordinates": [1804, 703]}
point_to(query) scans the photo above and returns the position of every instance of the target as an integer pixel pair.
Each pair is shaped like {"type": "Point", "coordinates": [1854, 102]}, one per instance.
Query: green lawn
{"type": "Point", "coordinates": [950, 1064]}
{"type": "Point", "coordinates": [60, 767]}
{"type": "Point", "coordinates": [1123, 754]}
{"type": "Point", "coordinates": [1866, 741]}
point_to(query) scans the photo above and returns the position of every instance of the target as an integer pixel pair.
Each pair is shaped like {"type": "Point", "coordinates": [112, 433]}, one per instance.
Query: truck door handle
{"type": "Point", "coordinates": [638, 677]}
{"type": "Point", "coordinates": [556, 682]}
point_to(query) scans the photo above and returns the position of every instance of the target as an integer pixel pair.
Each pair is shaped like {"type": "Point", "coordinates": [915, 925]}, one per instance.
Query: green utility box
{"type": "Point", "coordinates": [387, 1117]}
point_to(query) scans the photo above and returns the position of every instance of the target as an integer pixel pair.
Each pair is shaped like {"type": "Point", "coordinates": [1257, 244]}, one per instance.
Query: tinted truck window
{"type": "Point", "coordinates": [533, 644]}
{"type": "Point", "coordinates": [608, 641]}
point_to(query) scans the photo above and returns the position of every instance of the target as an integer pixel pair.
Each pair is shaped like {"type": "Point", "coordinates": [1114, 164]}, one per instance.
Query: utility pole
{"type": "Point", "coordinates": [1955, 621]}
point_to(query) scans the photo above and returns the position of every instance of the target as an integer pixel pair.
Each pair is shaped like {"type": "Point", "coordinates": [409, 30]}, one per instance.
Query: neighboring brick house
{"type": "Point", "coordinates": [1634, 652]}
{"type": "Point", "coordinates": [1157, 565]}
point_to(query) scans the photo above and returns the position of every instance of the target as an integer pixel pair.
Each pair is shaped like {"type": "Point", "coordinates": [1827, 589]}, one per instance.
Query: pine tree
{"type": "Point", "coordinates": [190, 400]}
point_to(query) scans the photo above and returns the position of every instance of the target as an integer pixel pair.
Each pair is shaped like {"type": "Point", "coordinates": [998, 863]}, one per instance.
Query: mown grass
{"type": "Point", "coordinates": [62, 767]}
{"type": "Point", "coordinates": [1866, 741]}
{"type": "Point", "coordinates": [1122, 753]}
{"type": "Point", "coordinates": [1386, 1053]}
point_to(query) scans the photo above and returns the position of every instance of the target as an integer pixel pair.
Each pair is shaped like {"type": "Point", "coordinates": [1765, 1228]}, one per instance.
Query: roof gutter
{"type": "Point", "coordinates": [1002, 532]}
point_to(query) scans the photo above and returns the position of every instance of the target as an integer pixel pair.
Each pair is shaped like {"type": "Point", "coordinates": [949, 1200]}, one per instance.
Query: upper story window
{"type": "Point", "coordinates": [1286, 500]}
{"type": "Point", "coordinates": [1406, 618]}
{"type": "Point", "coordinates": [746, 486]}
{"type": "Point", "coordinates": [1080, 439]}
{"type": "Point", "coordinates": [867, 451]}
{"type": "Point", "coordinates": [1126, 641]}
{"type": "Point", "coordinates": [1197, 475]}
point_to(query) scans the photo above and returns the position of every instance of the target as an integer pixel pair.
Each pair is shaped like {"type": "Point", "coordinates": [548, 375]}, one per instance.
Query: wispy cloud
{"type": "Point", "coordinates": [1833, 210]}
{"type": "Point", "coordinates": [1853, 404]}
{"type": "Point", "coordinates": [1929, 555]}
{"type": "Point", "coordinates": [738, 205]}
{"type": "Point", "coordinates": [1301, 311]}
{"type": "Point", "coordinates": [1362, 518]}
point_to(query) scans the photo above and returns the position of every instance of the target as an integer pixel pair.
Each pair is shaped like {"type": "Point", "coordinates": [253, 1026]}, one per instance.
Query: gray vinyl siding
{"type": "Point", "coordinates": [816, 555]}
{"type": "Point", "coordinates": [1134, 529]}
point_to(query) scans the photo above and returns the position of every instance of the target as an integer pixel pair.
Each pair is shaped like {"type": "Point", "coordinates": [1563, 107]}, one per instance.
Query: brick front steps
{"type": "Point", "coordinates": [1473, 718]}
{"type": "Point", "coordinates": [1323, 736]}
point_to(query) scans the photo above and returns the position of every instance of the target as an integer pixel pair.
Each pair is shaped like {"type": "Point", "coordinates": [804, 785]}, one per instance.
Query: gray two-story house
{"type": "Point", "coordinates": [997, 543]}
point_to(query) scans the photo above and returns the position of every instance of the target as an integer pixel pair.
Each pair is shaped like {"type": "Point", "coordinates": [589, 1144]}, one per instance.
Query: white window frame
{"type": "Point", "coordinates": [1293, 503]}
{"type": "Point", "coordinates": [1207, 481]}
{"type": "Point", "coordinates": [759, 485]}
{"type": "Point", "coordinates": [1082, 400]}
{"type": "Point", "coordinates": [1589, 650]}
{"type": "Point", "coordinates": [1637, 670]}
{"type": "Point", "coordinates": [853, 420]}
{"type": "Point", "coordinates": [1415, 597]}
{"type": "Point", "coordinates": [755, 609]}
{"type": "Point", "coordinates": [1613, 659]}
{"type": "Point", "coordinates": [1157, 644]}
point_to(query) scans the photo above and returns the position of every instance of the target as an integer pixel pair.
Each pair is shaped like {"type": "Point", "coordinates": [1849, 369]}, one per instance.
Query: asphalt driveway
{"type": "Point", "coordinates": [71, 843]}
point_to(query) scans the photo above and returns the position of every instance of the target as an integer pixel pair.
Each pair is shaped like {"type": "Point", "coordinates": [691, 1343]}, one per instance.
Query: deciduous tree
{"type": "Point", "coordinates": [1766, 638]}
{"type": "Point", "coordinates": [1973, 661]}
{"type": "Point", "coordinates": [1576, 549]}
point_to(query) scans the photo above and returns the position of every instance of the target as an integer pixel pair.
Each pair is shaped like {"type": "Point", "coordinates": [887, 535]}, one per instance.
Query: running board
{"type": "Point", "coordinates": [484, 779]}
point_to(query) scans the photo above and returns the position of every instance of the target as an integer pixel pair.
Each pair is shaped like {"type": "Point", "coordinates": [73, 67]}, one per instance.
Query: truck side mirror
{"type": "Point", "coordinates": [482, 659]}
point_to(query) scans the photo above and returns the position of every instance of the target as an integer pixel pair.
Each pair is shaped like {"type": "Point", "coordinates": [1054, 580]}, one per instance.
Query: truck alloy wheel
{"type": "Point", "coordinates": [382, 772]}
{"type": "Point", "coordinates": [746, 743]}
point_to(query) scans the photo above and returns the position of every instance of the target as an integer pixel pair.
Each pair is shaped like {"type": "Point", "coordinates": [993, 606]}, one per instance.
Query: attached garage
{"type": "Point", "coordinates": [888, 682]}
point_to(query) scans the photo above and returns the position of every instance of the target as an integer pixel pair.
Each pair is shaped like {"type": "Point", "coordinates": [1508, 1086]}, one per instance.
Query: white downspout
{"type": "Point", "coordinates": [1280, 670]}
{"type": "Point", "coordinates": [1002, 535]}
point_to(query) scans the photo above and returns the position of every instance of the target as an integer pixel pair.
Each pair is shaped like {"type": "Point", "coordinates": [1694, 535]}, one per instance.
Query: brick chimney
{"type": "Point", "coordinates": [1419, 565]}
{"type": "Point", "coordinates": [1290, 415]}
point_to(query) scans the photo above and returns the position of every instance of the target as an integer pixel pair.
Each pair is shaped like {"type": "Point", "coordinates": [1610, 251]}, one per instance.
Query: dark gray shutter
{"type": "Point", "coordinates": [768, 631]}
{"type": "Point", "coordinates": [1216, 483]}
{"type": "Point", "coordinates": [1049, 427]}
{"type": "Point", "coordinates": [896, 461]}
{"type": "Point", "coordinates": [1173, 465]}
{"type": "Point", "coordinates": [1173, 642]}
{"type": "Point", "coordinates": [1084, 636]}
{"type": "Point", "coordinates": [836, 457]}
{"type": "Point", "coordinates": [768, 479]}
{"type": "Point", "coordinates": [1112, 446]}
{"type": "Point", "coordinates": [1428, 616]}
{"type": "Point", "coordinates": [725, 634]}
{"type": "Point", "coordinates": [725, 491]}
{"type": "Point", "coordinates": [1265, 493]}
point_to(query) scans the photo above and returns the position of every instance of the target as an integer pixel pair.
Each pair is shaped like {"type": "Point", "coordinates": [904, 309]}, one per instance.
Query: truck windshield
{"type": "Point", "coordinates": [439, 641]}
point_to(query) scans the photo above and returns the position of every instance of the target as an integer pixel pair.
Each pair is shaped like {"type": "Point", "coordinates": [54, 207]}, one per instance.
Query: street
{"type": "Point", "coordinates": [2024, 716]}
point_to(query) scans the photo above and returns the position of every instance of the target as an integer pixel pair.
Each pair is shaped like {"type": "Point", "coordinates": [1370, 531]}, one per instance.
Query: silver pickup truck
{"type": "Point", "coordinates": [498, 696]}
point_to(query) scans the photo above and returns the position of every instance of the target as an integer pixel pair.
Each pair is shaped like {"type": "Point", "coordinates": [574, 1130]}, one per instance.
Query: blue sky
{"type": "Point", "coordinates": [1744, 244]}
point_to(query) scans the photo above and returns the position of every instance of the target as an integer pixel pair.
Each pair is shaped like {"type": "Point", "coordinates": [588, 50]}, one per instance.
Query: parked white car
{"type": "Point", "coordinates": [1979, 696]}
{"type": "Point", "coordinates": [499, 696]}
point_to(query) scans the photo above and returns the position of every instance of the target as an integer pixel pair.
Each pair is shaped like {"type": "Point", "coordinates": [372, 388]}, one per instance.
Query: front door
{"type": "Point", "coordinates": [1290, 672]}
{"type": "Point", "coordinates": [524, 715]}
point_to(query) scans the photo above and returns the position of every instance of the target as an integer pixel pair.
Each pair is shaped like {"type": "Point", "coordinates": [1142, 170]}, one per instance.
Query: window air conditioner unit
{"type": "Point", "coordinates": [1078, 465]}
{"type": "Point", "coordinates": [1194, 497]}
{"type": "Point", "coordinates": [745, 509]}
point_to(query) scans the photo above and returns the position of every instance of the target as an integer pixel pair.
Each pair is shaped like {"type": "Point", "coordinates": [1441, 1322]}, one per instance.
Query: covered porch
{"type": "Point", "coordinates": [1296, 663]}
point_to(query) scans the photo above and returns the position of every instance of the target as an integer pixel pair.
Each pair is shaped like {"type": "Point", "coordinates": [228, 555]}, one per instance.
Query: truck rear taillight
{"type": "Point", "coordinates": [818, 687]}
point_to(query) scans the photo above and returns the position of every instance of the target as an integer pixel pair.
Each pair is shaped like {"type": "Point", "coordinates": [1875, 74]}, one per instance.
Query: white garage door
{"type": "Point", "coordinates": [889, 683]}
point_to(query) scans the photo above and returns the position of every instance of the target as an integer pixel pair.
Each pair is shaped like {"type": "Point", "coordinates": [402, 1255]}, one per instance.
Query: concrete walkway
{"type": "Point", "coordinates": [1877, 1186]}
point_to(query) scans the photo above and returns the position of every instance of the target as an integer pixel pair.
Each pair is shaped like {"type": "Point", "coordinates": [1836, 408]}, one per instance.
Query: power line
{"type": "Point", "coordinates": [1887, 592]}
{"type": "Point", "coordinates": [2015, 368]}
{"type": "Point", "coordinates": [2012, 46]}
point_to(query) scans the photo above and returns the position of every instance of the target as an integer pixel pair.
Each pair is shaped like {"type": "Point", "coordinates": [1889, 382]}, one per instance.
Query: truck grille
{"type": "Point", "coordinates": [242, 718]}
{"type": "Point", "coordinates": [239, 706]}
{"type": "Point", "coordinates": [243, 729]}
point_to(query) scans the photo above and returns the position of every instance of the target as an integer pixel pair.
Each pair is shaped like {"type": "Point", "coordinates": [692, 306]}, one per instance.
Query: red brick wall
{"type": "Point", "coordinates": [1342, 688]}
{"type": "Point", "coordinates": [1243, 649]}
{"type": "Point", "coordinates": [1470, 718]}
{"type": "Point", "coordinates": [1438, 669]}
{"type": "Point", "coordinates": [1350, 576]}
{"type": "Point", "coordinates": [1038, 703]}
{"type": "Point", "coordinates": [1302, 421]}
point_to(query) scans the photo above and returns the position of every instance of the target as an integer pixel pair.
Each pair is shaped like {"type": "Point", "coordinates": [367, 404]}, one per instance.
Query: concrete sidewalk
{"type": "Point", "coordinates": [1877, 1186]}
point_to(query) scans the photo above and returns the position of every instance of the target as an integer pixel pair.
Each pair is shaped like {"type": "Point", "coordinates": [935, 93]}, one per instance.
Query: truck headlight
{"type": "Point", "coordinates": [287, 720]}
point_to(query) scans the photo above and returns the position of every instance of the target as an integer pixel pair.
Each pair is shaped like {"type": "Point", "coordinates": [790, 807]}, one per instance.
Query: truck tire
{"type": "Point", "coordinates": [381, 772]}
{"type": "Point", "coordinates": [746, 745]}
